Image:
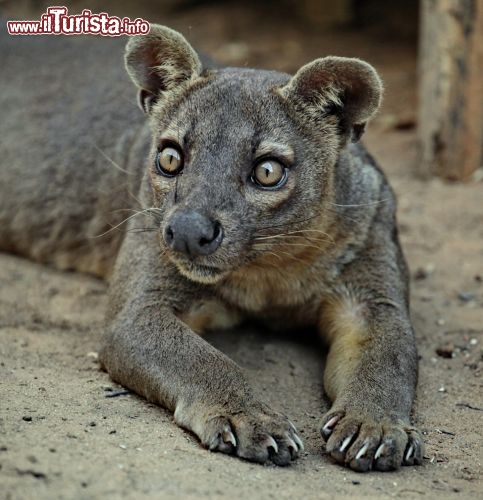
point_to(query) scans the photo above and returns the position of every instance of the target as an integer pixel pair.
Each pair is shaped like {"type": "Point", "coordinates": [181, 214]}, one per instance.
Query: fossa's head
{"type": "Point", "coordinates": [242, 160]}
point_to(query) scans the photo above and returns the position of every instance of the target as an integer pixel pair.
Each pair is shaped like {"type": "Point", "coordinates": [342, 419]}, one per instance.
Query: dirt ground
{"type": "Point", "coordinates": [67, 431]}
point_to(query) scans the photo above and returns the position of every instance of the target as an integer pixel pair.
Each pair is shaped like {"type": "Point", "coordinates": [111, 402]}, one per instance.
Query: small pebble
{"type": "Point", "coordinates": [115, 394]}
{"type": "Point", "coordinates": [420, 274]}
{"type": "Point", "coordinates": [446, 350]}
{"type": "Point", "coordinates": [27, 418]}
{"type": "Point", "coordinates": [473, 341]}
{"type": "Point", "coordinates": [440, 322]}
{"type": "Point", "coordinates": [424, 272]}
{"type": "Point", "coordinates": [442, 389]}
{"type": "Point", "coordinates": [466, 296]}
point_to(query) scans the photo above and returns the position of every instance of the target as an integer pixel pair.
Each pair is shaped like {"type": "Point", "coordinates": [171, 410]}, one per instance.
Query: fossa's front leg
{"type": "Point", "coordinates": [371, 370]}
{"type": "Point", "coordinates": [154, 353]}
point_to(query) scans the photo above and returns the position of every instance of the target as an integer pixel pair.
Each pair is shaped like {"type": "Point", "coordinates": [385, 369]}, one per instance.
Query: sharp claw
{"type": "Point", "coordinates": [379, 451]}
{"type": "Point", "coordinates": [409, 453]}
{"type": "Point", "coordinates": [214, 443]}
{"type": "Point", "coordinates": [229, 437]}
{"type": "Point", "coordinates": [292, 425]}
{"type": "Point", "coordinates": [327, 429]}
{"type": "Point", "coordinates": [362, 451]}
{"type": "Point", "coordinates": [292, 444]}
{"type": "Point", "coordinates": [292, 447]}
{"type": "Point", "coordinates": [271, 443]}
{"type": "Point", "coordinates": [346, 442]}
{"type": "Point", "coordinates": [299, 442]}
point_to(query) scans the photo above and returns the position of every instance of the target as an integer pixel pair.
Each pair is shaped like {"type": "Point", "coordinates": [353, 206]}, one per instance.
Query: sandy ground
{"type": "Point", "coordinates": [66, 431]}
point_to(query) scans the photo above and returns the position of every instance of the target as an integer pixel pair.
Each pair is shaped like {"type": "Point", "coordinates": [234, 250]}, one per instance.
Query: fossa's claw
{"type": "Point", "coordinates": [379, 452]}
{"type": "Point", "coordinates": [329, 427]}
{"type": "Point", "coordinates": [362, 451]}
{"type": "Point", "coordinates": [229, 437]}
{"type": "Point", "coordinates": [271, 443]}
{"type": "Point", "coordinates": [299, 442]}
{"type": "Point", "coordinates": [346, 443]}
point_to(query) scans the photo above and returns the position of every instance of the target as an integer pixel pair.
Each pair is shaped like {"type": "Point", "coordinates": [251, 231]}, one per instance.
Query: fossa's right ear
{"type": "Point", "coordinates": [158, 62]}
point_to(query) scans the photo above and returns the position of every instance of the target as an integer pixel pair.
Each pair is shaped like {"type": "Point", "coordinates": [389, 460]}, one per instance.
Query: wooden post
{"type": "Point", "coordinates": [451, 87]}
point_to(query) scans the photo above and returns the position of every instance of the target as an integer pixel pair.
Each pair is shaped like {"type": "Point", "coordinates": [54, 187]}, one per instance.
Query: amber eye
{"type": "Point", "coordinates": [269, 174]}
{"type": "Point", "coordinates": [169, 161]}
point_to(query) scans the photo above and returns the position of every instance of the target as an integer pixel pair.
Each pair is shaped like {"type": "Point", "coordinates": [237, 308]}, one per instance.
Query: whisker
{"type": "Point", "coordinates": [306, 231]}
{"type": "Point", "coordinates": [377, 202]}
{"type": "Point", "coordinates": [142, 230]}
{"type": "Point", "coordinates": [293, 234]}
{"type": "Point", "coordinates": [279, 250]}
{"type": "Point", "coordinates": [283, 243]}
{"type": "Point", "coordinates": [273, 253]}
{"type": "Point", "coordinates": [127, 219]}
{"type": "Point", "coordinates": [307, 245]}
{"type": "Point", "coordinates": [290, 223]}
{"type": "Point", "coordinates": [110, 160]}
{"type": "Point", "coordinates": [135, 198]}
{"type": "Point", "coordinates": [125, 210]}
{"type": "Point", "coordinates": [288, 254]}
{"type": "Point", "coordinates": [266, 252]}
{"type": "Point", "coordinates": [344, 216]}
{"type": "Point", "coordinates": [149, 211]}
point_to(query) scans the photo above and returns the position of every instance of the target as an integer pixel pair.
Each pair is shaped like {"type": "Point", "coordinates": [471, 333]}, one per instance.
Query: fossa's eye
{"type": "Point", "coordinates": [269, 174]}
{"type": "Point", "coordinates": [169, 161]}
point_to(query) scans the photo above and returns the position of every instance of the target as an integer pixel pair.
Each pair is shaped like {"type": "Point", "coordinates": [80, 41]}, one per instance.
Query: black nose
{"type": "Point", "coordinates": [193, 234]}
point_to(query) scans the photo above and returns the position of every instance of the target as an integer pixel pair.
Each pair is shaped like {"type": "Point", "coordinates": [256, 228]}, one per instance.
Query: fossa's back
{"type": "Point", "coordinates": [70, 132]}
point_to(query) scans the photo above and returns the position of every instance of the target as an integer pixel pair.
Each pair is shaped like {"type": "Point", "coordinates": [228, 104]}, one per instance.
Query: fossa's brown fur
{"type": "Point", "coordinates": [319, 249]}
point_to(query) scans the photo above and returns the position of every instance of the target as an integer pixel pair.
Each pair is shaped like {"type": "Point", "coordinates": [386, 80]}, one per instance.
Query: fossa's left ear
{"type": "Point", "coordinates": [347, 88]}
{"type": "Point", "coordinates": [160, 62]}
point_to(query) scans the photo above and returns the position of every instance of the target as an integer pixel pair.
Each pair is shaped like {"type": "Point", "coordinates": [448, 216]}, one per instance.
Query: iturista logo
{"type": "Point", "coordinates": [56, 21]}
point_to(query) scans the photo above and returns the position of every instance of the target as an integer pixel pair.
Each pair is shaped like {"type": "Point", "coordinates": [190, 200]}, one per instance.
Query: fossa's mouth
{"type": "Point", "coordinates": [199, 273]}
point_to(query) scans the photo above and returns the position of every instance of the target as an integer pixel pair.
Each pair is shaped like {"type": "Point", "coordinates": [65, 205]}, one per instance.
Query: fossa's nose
{"type": "Point", "coordinates": [192, 233]}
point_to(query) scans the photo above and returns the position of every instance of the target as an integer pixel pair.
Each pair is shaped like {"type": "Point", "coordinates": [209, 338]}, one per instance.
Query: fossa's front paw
{"type": "Point", "coordinates": [364, 444]}
{"type": "Point", "coordinates": [255, 433]}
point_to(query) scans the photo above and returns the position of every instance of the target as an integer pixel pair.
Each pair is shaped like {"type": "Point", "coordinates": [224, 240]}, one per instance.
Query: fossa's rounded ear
{"type": "Point", "coordinates": [348, 88]}
{"type": "Point", "coordinates": [160, 61]}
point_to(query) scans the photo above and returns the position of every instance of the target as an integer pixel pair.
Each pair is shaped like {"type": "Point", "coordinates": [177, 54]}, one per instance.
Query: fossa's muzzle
{"type": "Point", "coordinates": [191, 233]}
